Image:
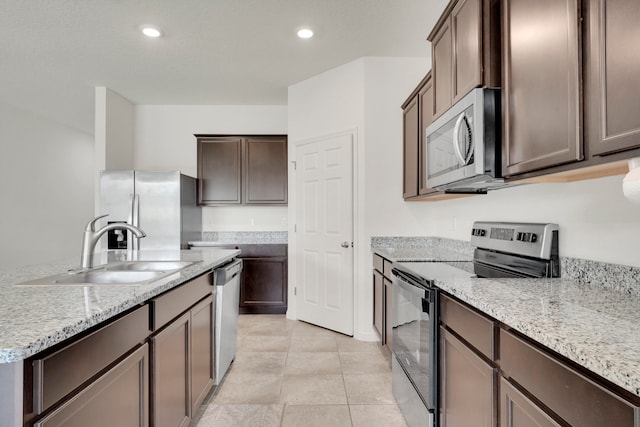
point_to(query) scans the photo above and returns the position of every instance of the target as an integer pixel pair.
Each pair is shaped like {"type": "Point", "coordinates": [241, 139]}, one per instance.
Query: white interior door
{"type": "Point", "coordinates": [324, 232]}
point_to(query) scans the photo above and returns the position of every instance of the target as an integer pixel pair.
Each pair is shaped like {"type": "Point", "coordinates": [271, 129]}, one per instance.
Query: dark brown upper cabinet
{"type": "Point", "coordinates": [425, 101]}
{"type": "Point", "coordinates": [465, 45]}
{"type": "Point", "coordinates": [265, 170]}
{"type": "Point", "coordinates": [411, 143]}
{"type": "Point", "coordinates": [248, 170]}
{"type": "Point", "coordinates": [417, 115]}
{"type": "Point", "coordinates": [542, 105]}
{"type": "Point", "coordinates": [612, 75]}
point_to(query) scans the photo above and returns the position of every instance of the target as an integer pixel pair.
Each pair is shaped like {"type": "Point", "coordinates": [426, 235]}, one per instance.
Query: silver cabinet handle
{"type": "Point", "coordinates": [456, 135]}
{"type": "Point", "coordinates": [345, 244]}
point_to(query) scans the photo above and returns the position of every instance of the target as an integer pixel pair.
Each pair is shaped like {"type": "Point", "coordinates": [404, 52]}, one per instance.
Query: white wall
{"type": "Point", "coordinates": [164, 140]}
{"type": "Point", "coordinates": [114, 134]}
{"type": "Point", "coordinates": [46, 188]}
{"type": "Point", "coordinates": [114, 130]}
{"type": "Point", "coordinates": [596, 221]}
{"type": "Point", "coordinates": [365, 96]}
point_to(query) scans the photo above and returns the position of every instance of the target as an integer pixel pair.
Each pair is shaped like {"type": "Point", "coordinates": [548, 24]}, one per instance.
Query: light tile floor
{"type": "Point", "coordinates": [289, 373]}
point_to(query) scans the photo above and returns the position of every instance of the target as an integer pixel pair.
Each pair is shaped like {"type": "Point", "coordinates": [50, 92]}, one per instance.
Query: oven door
{"type": "Point", "coordinates": [415, 341]}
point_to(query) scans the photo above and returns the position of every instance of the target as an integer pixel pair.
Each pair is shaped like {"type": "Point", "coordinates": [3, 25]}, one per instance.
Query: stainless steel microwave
{"type": "Point", "coordinates": [464, 145]}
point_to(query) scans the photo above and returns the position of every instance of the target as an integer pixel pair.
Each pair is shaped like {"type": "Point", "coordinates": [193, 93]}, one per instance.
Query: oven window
{"type": "Point", "coordinates": [412, 337]}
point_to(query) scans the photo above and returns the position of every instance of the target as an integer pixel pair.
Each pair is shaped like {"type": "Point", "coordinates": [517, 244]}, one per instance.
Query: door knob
{"type": "Point", "coordinates": [345, 244]}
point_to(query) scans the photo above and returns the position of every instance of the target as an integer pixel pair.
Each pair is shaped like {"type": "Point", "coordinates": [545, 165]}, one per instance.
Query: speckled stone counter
{"type": "Point", "coordinates": [222, 238]}
{"type": "Point", "coordinates": [34, 318]}
{"type": "Point", "coordinates": [592, 325]}
{"type": "Point", "coordinates": [590, 316]}
{"type": "Point", "coordinates": [402, 249]}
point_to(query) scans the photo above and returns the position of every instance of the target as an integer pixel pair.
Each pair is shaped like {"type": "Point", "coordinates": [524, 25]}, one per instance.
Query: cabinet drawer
{"type": "Point", "coordinates": [378, 263]}
{"type": "Point", "coordinates": [169, 305]}
{"type": "Point", "coordinates": [574, 397]}
{"type": "Point", "coordinates": [56, 375]}
{"type": "Point", "coordinates": [125, 387]}
{"type": "Point", "coordinates": [388, 265]}
{"type": "Point", "coordinates": [473, 327]}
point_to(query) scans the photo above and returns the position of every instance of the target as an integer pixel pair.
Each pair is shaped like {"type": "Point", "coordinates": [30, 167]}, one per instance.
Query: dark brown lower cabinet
{"type": "Point", "coordinates": [182, 351]}
{"type": "Point", "coordinates": [468, 386]}
{"type": "Point", "coordinates": [382, 303]}
{"type": "Point", "coordinates": [170, 391]}
{"type": "Point", "coordinates": [388, 314]}
{"type": "Point", "coordinates": [572, 396]}
{"type": "Point", "coordinates": [263, 287]}
{"type": "Point", "coordinates": [516, 410]}
{"type": "Point", "coordinates": [378, 301]}
{"type": "Point", "coordinates": [119, 397]}
{"type": "Point", "coordinates": [264, 281]}
{"type": "Point", "coordinates": [202, 351]}
{"type": "Point", "coordinates": [182, 366]}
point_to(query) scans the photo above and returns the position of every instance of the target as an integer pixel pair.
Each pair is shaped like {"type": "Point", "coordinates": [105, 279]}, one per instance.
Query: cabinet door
{"type": "Point", "coordinates": [120, 397]}
{"type": "Point", "coordinates": [442, 54]}
{"type": "Point", "coordinates": [541, 76]}
{"type": "Point", "coordinates": [468, 390]}
{"type": "Point", "coordinates": [265, 170]}
{"type": "Point", "coordinates": [378, 301]}
{"type": "Point", "coordinates": [263, 287]}
{"type": "Point", "coordinates": [388, 314]}
{"type": "Point", "coordinates": [410, 143]}
{"type": "Point", "coordinates": [425, 100]}
{"type": "Point", "coordinates": [170, 385]}
{"type": "Point", "coordinates": [202, 354]}
{"type": "Point", "coordinates": [516, 410]}
{"type": "Point", "coordinates": [612, 80]}
{"type": "Point", "coordinates": [466, 28]}
{"type": "Point", "coordinates": [219, 170]}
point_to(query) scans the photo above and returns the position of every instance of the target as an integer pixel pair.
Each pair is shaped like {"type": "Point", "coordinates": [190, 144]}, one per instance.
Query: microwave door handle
{"type": "Point", "coordinates": [456, 136]}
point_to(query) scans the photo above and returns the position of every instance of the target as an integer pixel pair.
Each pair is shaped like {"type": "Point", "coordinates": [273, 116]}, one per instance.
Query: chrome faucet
{"type": "Point", "coordinates": [91, 237]}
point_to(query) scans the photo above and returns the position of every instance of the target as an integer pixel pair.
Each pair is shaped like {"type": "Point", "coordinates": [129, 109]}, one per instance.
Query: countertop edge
{"type": "Point", "coordinates": [151, 290]}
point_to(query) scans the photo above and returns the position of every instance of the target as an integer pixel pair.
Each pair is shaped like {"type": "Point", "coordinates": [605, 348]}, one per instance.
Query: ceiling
{"type": "Point", "coordinates": [213, 52]}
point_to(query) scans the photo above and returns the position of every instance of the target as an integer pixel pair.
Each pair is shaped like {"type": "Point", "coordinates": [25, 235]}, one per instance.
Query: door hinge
{"type": "Point", "coordinates": [295, 228]}
{"type": "Point", "coordinates": [295, 166]}
{"type": "Point", "coordinates": [295, 291]}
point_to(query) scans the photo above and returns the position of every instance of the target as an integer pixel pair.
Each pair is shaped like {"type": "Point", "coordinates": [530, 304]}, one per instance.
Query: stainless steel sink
{"type": "Point", "coordinates": [101, 277]}
{"type": "Point", "coordinates": [149, 266]}
{"type": "Point", "coordinates": [119, 273]}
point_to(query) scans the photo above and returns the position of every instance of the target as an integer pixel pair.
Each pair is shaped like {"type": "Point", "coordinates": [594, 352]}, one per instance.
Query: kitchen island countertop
{"type": "Point", "coordinates": [34, 318]}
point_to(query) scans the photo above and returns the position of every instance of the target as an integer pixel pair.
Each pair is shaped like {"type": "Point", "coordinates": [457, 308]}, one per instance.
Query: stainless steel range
{"type": "Point", "coordinates": [502, 250]}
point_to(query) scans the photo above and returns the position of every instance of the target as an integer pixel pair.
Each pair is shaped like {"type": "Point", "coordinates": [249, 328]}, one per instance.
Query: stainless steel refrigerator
{"type": "Point", "coordinates": [162, 204]}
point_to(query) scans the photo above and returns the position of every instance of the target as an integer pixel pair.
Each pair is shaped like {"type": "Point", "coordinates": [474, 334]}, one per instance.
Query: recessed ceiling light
{"type": "Point", "coordinates": [150, 31]}
{"type": "Point", "coordinates": [305, 33]}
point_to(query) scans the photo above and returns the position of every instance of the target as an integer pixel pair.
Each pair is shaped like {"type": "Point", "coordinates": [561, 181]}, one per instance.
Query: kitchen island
{"type": "Point", "coordinates": [37, 318]}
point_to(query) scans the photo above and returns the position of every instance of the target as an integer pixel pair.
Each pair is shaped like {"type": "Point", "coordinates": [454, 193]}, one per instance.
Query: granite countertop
{"type": "Point", "coordinates": [34, 318]}
{"type": "Point", "coordinates": [590, 316]}
{"type": "Point", "coordinates": [590, 325]}
{"type": "Point", "coordinates": [226, 238]}
{"type": "Point", "coordinates": [428, 254]}
{"type": "Point", "coordinates": [404, 249]}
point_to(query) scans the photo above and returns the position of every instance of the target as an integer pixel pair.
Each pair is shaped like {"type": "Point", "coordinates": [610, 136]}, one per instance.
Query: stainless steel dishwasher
{"type": "Point", "coordinates": [227, 280]}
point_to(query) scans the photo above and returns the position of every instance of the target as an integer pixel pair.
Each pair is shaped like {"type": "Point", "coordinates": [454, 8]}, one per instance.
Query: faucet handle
{"type": "Point", "coordinates": [91, 224]}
